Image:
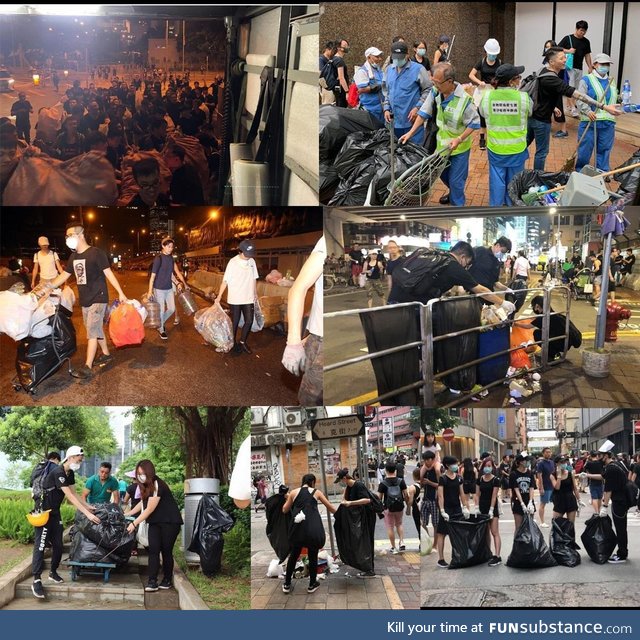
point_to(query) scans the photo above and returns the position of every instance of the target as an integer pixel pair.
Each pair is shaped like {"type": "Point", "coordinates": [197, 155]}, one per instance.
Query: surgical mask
{"type": "Point", "coordinates": [492, 57]}
{"type": "Point", "coordinates": [375, 65]}
{"type": "Point", "coordinates": [400, 63]}
{"type": "Point", "coordinates": [346, 50]}
{"type": "Point", "coordinates": [454, 468]}
{"type": "Point", "coordinates": [421, 52]}
{"type": "Point", "coordinates": [499, 255]}
{"type": "Point", "coordinates": [72, 242]}
{"type": "Point", "coordinates": [74, 466]}
{"type": "Point", "coordinates": [487, 470]}
{"type": "Point", "coordinates": [566, 467]}
{"type": "Point", "coordinates": [527, 465]}
{"type": "Point", "coordinates": [603, 71]}
{"type": "Point", "coordinates": [142, 478]}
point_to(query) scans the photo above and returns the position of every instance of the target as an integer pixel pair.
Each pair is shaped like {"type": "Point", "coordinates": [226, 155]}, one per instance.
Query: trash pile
{"type": "Point", "coordinates": [531, 181]}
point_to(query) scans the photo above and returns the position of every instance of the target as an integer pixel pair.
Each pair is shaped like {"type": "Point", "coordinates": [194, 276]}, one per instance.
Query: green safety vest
{"type": "Point", "coordinates": [598, 89]}
{"type": "Point", "coordinates": [507, 113]}
{"type": "Point", "coordinates": [450, 123]}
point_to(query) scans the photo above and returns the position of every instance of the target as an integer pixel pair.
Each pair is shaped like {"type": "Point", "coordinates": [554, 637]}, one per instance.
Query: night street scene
{"type": "Point", "coordinates": [530, 508]}
{"type": "Point", "coordinates": [170, 305]}
{"type": "Point", "coordinates": [158, 105]}
{"type": "Point", "coordinates": [514, 309]}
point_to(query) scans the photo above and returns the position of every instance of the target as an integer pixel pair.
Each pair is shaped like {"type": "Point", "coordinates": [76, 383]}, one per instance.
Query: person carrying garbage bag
{"type": "Point", "coordinates": [453, 503]}
{"type": "Point", "coordinates": [522, 483]}
{"type": "Point", "coordinates": [306, 529]}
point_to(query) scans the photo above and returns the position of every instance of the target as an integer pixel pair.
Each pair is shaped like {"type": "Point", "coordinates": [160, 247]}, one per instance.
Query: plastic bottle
{"type": "Point", "coordinates": [630, 108]}
{"type": "Point", "coordinates": [626, 92]}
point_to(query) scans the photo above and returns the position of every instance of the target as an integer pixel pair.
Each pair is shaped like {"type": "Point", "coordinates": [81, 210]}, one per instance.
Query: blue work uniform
{"type": "Point", "coordinates": [368, 76]}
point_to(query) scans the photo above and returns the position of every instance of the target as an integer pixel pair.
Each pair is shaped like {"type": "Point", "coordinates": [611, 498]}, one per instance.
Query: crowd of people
{"type": "Point", "coordinates": [442, 108]}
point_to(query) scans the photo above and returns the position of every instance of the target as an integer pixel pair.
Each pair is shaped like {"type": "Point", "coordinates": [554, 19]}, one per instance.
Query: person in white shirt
{"type": "Point", "coordinates": [46, 262]}
{"type": "Point", "coordinates": [240, 279]}
{"type": "Point", "coordinates": [307, 355]}
{"type": "Point", "coordinates": [521, 267]}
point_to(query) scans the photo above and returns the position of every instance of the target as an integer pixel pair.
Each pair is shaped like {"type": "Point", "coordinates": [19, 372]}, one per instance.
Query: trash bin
{"type": "Point", "coordinates": [194, 488]}
{"type": "Point", "coordinates": [528, 178]}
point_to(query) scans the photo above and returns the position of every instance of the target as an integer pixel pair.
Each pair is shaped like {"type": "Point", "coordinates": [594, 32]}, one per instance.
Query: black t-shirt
{"type": "Point", "coordinates": [636, 469]}
{"type": "Point", "coordinates": [186, 188]}
{"type": "Point", "coordinates": [487, 71]}
{"type": "Point", "coordinates": [594, 466]}
{"type": "Point", "coordinates": [523, 481]}
{"type": "Point", "coordinates": [627, 265]}
{"type": "Point", "coordinates": [21, 111]}
{"type": "Point", "coordinates": [425, 62]}
{"type": "Point", "coordinates": [429, 491]}
{"type": "Point", "coordinates": [486, 492]}
{"type": "Point", "coordinates": [615, 480]}
{"type": "Point", "coordinates": [382, 487]}
{"type": "Point", "coordinates": [52, 486]}
{"type": "Point", "coordinates": [356, 256]}
{"type": "Point", "coordinates": [566, 485]}
{"type": "Point", "coordinates": [392, 264]}
{"type": "Point", "coordinates": [505, 466]}
{"type": "Point", "coordinates": [550, 86]}
{"type": "Point", "coordinates": [581, 45]}
{"type": "Point", "coordinates": [167, 511]}
{"type": "Point", "coordinates": [131, 492]}
{"type": "Point", "coordinates": [88, 268]}
{"type": "Point", "coordinates": [485, 268]}
{"type": "Point", "coordinates": [338, 62]}
{"type": "Point", "coordinates": [451, 488]}
{"type": "Point", "coordinates": [356, 492]}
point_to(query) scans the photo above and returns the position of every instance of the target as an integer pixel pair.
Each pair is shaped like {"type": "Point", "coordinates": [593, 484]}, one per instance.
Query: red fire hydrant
{"type": "Point", "coordinates": [615, 313]}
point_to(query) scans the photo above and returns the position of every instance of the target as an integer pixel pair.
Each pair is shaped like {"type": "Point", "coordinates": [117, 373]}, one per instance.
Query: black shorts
{"type": "Point", "coordinates": [442, 527]}
{"type": "Point", "coordinates": [564, 502]}
{"type": "Point", "coordinates": [484, 510]}
{"type": "Point", "coordinates": [469, 489]}
{"type": "Point", "coordinates": [516, 508]}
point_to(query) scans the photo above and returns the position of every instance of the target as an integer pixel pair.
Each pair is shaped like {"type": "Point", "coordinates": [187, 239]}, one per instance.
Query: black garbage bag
{"type": "Point", "coordinates": [449, 316]}
{"type": "Point", "coordinates": [38, 358]}
{"type": "Point", "coordinates": [562, 543]}
{"type": "Point", "coordinates": [329, 180]}
{"type": "Point", "coordinates": [354, 527]}
{"type": "Point", "coordinates": [111, 532]}
{"type": "Point", "coordinates": [519, 294]}
{"type": "Point", "coordinates": [529, 550]}
{"type": "Point", "coordinates": [599, 538]}
{"type": "Point", "coordinates": [523, 181]}
{"type": "Point", "coordinates": [336, 123]}
{"type": "Point", "coordinates": [278, 524]}
{"type": "Point", "coordinates": [84, 550]}
{"type": "Point", "coordinates": [469, 541]}
{"type": "Point", "coordinates": [393, 327]}
{"type": "Point", "coordinates": [352, 191]}
{"type": "Point", "coordinates": [357, 148]}
{"type": "Point", "coordinates": [207, 541]}
{"type": "Point", "coordinates": [630, 181]}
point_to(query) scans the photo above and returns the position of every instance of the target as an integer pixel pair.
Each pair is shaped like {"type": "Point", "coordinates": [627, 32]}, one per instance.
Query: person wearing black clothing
{"type": "Point", "coordinates": [355, 255]}
{"type": "Point", "coordinates": [309, 532]}
{"type": "Point", "coordinates": [413, 491]}
{"type": "Point", "coordinates": [21, 110]}
{"type": "Point", "coordinates": [420, 54]}
{"type": "Point", "coordinates": [394, 509]}
{"type": "Point", "coordinates": [486, 69]}
{"type": "Point", "coordinates": [522, 483]}
{"type": "Point", "coordinates": [396, 257]}
{"type": "Point", "coordinates": [504, 472]}
{"type": "Point", "coordinates": [373, 267]}
{"type": "Point", "coordinates": [550, 86]}
{"type": "Point", "coordinates": [595, 467]}
{"type": "Point", "coordinates": [469, 477]}
{"type": "Point", "coordinates": [566, 496]}
{"type": "Point", "coordinates": [486, 500]}
{"type": "Point", "coordinates": [342, 87]}
{"type": "Point", "coordinates": [579, 47]}
{"type": "Point", "coordinates": [429, 479]}
{"type": "Point", "coordinates": [453, 503]}
{"type": "Point", "coordinates": [56, 486]}
{"type": "Point", "coordinates": [326, 55]}
{"type": "Point", "coordinates": [356, 495]}
{"type": "Point", "coordinates": [627, 265]}
{"type": "Point", "coordinates": [159, 508]}
{"type": "Point", "coordinates": [186, 187]}
{"type": "Point", "coordinates": [487, 262]}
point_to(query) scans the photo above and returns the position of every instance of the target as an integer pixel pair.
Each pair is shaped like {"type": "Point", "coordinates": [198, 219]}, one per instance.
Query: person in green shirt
{"type": "Point", "coordinates": [100, 487]}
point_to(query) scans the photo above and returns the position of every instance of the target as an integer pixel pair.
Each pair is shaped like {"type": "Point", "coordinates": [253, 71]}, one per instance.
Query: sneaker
{"type": "Point", "coordinates": [544, 525]}
{"type": "Point", "coordinates": [152, 585]}
{"type": "Point", "coordinates": [402, 547]}
{"type": "Point", "coordinates": [103, 360]}
{"type": "Point", "coordinates": [313, 587]}
{"type": "Point", "coordinates": [616, 559]}
{"type": "Point", "coordinates": [560, 134]}
{"type": "Point", "coordinates": [237, 348]}
{"type": "Point", "coordinates": [82, 373]}
{"type": "Point", "coordinates": [176, 321]}
{"type": "Point", "coordinates": [393, 551]}
{"type": "Point", "coordinates": [445, 199]}
{"type": "Point", "coordinates": [286, 588]}
{"type": "Point", "coordinates": [244, 347]}
{"type": "Point", "coordinates": [495, 561]}
{"type": "Point", "coordinates": [163, 334]}
{"type": "Point", "coordinates": [54, 577]}
{"type": "Point", "coordinates": [483, 143]}
{"type": "Point", "coordinates": [366, 574]}
{"type": "Point", "coordinates": [442, 564]}
{"type": "Point", "coordinates": [37, 589]}
{"type": "Point", "coordinates": [165, 584]}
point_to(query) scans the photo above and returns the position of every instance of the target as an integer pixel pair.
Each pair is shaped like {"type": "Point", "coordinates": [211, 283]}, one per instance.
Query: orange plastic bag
{"type": "Point", "coordinates": [520, 358]}
{"type": "Point", "coordinates": [126, 326]}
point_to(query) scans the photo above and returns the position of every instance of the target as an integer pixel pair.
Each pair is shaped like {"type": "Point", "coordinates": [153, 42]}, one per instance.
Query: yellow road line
{"type": "Point", "coordinates": [391, 593]}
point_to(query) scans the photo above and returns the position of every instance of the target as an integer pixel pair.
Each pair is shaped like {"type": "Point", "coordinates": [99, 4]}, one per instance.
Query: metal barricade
{"type": "Point", "coordinates": [427, 341]}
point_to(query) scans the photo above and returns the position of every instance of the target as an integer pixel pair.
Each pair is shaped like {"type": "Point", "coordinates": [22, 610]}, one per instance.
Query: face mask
{"type": "Point", "coordinates": [72, 243]}
{"type": "Point", "coordinates": [346, 50]}
{"type": "Point", "coordinates": [421, 52]}
{"type": "Point", "coordinates": [527, 465]}
{"type": "Point", "coordinates": [142, 478]}
{"type": "Point", "coordinates": [487, 470]}
{"type": "Point", "coordinates": [400, 63]}
{"type": "Point", "coordinates": [567, 467]}
{"type": "Point", "coordinates": [499, 255]}
{"type": "Point", "coordinates": [492, 57]}
{"type": "Point", "coordinates": [454, 468]}
{"type": "Point", "coordinates": [74, 466]}
{"type": "Point", "coordinates": [603, 71]}
{"type": "Point", "coordinates": [375, 65]}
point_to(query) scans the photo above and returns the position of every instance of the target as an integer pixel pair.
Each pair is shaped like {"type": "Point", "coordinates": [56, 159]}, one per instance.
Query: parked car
{"type": "Point", "coordinates": [6, 80]}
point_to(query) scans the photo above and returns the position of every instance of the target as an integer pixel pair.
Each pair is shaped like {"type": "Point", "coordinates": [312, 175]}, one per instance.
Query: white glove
{"type": "Point", "coordinates": [465, 513]}
{"type": "Point", "coordinates": [491, 516]}
{"type": "Point", "coordinates": [294, 358]}
{"type": "Point", "coordinates": [530, 508]}
{"type": "Point", "coordinates": [583, 476]}
{"type": "Point", "coordinates": [511, 291]}
{"type": "Point", "coordinates": [445, 515]}
{"type": "Point", "coordinates": [604, 511]}
{"type": "Point", "coordinates": [509, 307]}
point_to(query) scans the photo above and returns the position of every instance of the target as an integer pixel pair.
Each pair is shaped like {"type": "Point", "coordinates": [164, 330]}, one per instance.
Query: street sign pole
{"type": "Point", "coordinates": [324, 484]}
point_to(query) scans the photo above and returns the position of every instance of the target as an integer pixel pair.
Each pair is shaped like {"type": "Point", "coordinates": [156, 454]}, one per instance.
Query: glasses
{"type": "Point", "coordinates": [443, 81]}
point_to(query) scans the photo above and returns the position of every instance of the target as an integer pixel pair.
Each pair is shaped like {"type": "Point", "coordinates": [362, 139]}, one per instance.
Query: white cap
{"type": "Point", "coordinates": [372, 51]}
{"type": "Point", "coordinates": [602, 57]}
{"type": "Point", "coordinates": [607, 446]}
{"type": "Point", "coordinates": [43, 240]}
{"type": "Point", "coordinates": [492, 46]}
{"type": "Point", "coordinates": [74, 451]}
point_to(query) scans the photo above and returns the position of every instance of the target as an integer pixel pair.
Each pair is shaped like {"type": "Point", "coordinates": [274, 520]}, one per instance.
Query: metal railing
{"type": "Point", "coordinates": [427, 341]}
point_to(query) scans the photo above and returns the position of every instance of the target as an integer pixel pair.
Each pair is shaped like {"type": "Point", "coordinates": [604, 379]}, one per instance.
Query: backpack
{"type": "Point", "coordinates": [38, 477]}
{"type": "Point", "coordinates": [575, 336]}
{"type": "Point", "coordinates": [375, 504]}
{"type": "Point", "coordinates": [329, 74]}
{"type": "Point", "coordinates": [417, 274]}
{"type": "Point", "coordinates": [530, 85]}
{"type": "Point", "coordinates": [393, 499]}
{"type": "Point", "coordinates": [353, 99]}
{"type": "Point", "coordinates": [631, 491]}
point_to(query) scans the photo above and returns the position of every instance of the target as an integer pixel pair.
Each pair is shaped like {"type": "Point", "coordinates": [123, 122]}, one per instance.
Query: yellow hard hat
{"type": "Point", "coordinates": [38, 518]}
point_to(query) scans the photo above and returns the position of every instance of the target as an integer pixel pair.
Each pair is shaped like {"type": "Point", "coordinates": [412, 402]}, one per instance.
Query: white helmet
{"type": "Point", "coordinates": [492, 46]}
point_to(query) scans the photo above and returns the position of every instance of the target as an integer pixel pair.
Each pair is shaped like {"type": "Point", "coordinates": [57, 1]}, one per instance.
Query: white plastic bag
{"type": "Point", "coordinates": [258, 318]}
{"type": "Point", "coordinates": [214, 325]}
{"type": "Point", "coordinates": [143, 534]}
{"type": "Point", "coordinates": [15, 314]}
{"type": "Point", "coordinates": [362, 280]}
{"type": "Point", "coordinates": [40, 328]}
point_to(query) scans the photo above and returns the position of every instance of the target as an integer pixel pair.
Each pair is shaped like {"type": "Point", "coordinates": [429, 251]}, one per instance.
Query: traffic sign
{"type": "Point", "coordinates": [387, 440]}
{"type": "Point", "coordinates": [387, 425]}
{"type": "Point", "coordinates": [636, 426]}
{"type": "Point", "coordinates": [340, 427]}
{"type": "Point", "coordinates": [448, 435]}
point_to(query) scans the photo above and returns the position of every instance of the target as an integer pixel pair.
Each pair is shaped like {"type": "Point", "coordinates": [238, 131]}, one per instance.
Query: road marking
{"type": "Point", "coordinates": [391, 593]}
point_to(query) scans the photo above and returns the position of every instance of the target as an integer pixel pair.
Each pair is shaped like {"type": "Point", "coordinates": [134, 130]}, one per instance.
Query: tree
{"type": "Point", "coordinates": [435, 419]}
{"type": "Point", "coordinates": [34, 431]}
